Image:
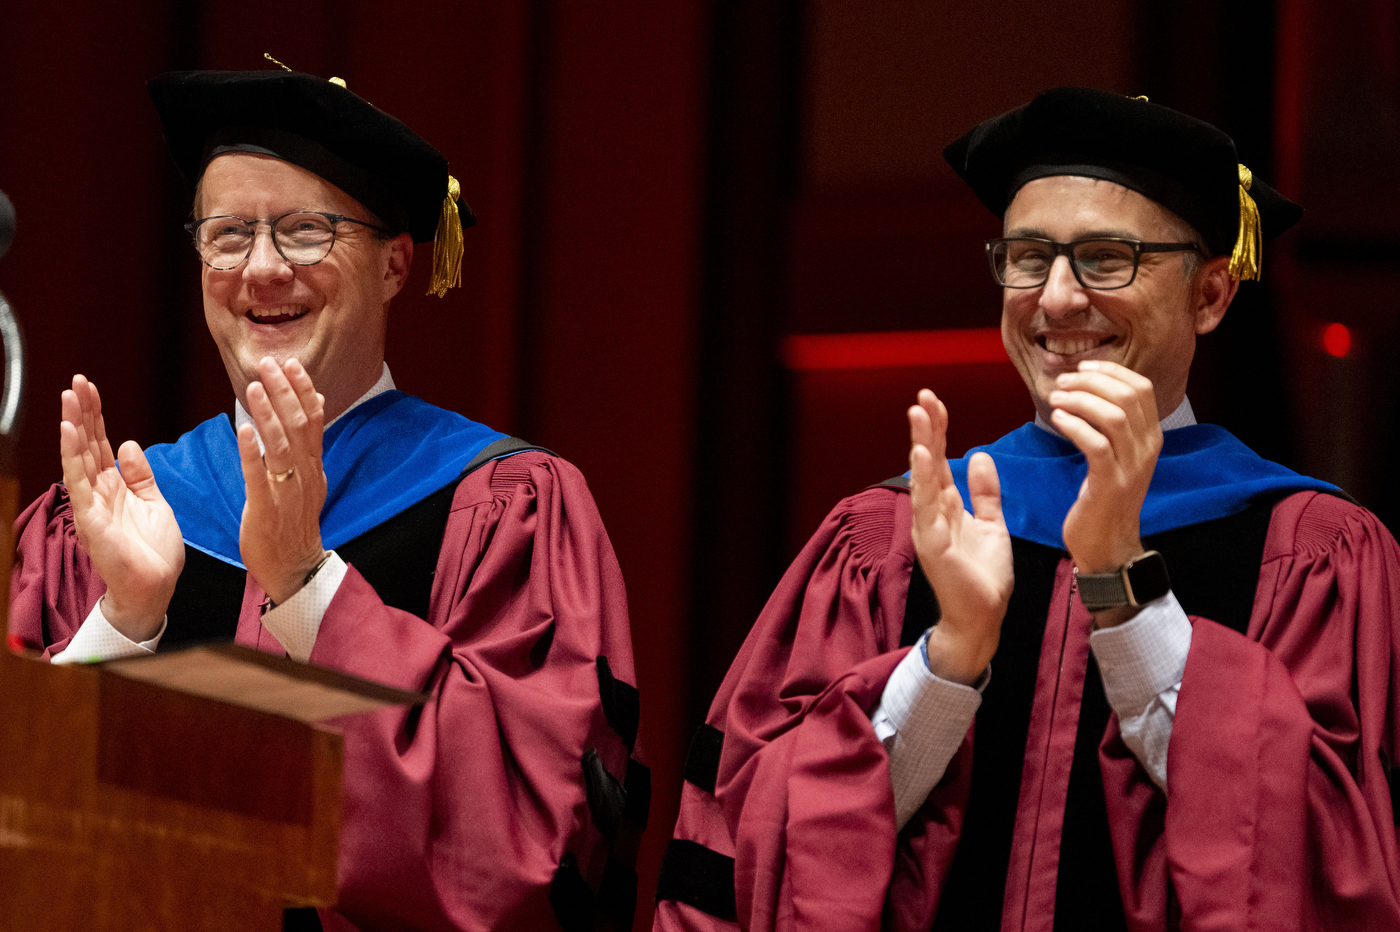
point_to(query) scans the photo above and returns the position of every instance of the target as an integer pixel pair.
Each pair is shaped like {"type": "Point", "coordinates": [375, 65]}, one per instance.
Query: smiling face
{"type": "Point", "coordinates": [331, 316]}
{"type": "Point", "coordinates": [1150, 326]}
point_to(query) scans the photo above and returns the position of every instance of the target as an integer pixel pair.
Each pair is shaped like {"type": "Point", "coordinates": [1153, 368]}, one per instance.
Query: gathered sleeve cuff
{"type": "Point", "coordinates": [526, 658]}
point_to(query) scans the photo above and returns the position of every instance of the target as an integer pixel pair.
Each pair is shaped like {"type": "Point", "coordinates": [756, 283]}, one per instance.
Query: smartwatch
{"type": "Point", "coordinates": [1137, 582]}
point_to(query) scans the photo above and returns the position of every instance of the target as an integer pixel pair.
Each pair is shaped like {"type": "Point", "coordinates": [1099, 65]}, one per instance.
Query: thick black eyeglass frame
{"type": "Point", "coordinates": [1067, 250]}
{"type": "Point", "coordinates": [334, 219]}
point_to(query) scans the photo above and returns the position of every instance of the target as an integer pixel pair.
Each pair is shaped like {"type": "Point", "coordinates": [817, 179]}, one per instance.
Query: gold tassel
{"type": "Point", "coordinates": [447, 243]}
{"type": "Point", "coordinates": [1247, 259]}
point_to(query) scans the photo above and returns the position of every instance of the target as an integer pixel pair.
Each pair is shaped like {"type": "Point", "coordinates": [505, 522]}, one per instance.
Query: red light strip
{"type": "Point", "coordinates": [895, 348]}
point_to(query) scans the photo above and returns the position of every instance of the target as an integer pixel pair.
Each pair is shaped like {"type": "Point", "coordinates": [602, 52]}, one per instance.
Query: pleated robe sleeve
{"type": "Point", "coordinates": [456, 815]}
{"type": "Point", "coordinates": [803, 800]}
{"type": "Point", "coordinates": [52, 585]}
{"type": "Point", "coordinates": [1278, 813]}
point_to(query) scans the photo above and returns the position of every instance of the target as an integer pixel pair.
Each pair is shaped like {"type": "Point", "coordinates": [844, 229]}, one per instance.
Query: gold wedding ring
{"type": "Point", "coordinates": [282, 476]}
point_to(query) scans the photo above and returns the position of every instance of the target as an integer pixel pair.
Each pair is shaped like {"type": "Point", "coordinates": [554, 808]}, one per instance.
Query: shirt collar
{"type": "Point", "coordinates": [385, 383]}
{"type": "Point", "coordinates": [1183, 416]}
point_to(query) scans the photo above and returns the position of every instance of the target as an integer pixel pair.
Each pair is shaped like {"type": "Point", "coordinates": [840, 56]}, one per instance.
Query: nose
{"type": "Point", "coordinates": [1062, 295]}
{"type": "Point", "coordinates": [265, 263]}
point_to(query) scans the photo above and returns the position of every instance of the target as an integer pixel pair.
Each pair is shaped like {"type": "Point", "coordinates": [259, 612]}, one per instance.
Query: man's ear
{"type": "Point", "coordinates": [1213, 291]}
{"type": "Point", "coordinates": [399, 256]}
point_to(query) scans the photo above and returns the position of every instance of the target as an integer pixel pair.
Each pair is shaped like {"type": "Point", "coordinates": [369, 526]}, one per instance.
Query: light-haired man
{"type": "Point", "coordinates": [337, 520]}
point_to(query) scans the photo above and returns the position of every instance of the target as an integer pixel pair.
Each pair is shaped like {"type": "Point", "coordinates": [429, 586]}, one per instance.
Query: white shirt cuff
{"type": "Point", "coordinates": [922, 720]}
{"type": "Point", "coordinates": [96, 640]}
{"type": "Point", "coordinates": [296, 621]}
{"type": "Point", "coordinates": [1143, 656]}
{"type": "Point", "coordinates": [1142, 662]}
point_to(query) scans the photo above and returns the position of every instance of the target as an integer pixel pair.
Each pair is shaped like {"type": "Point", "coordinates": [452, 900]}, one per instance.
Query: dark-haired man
{"type": "Point", "coordinates": [347, 524]}
{"type": "Point", "coordinates": [1157, 691]}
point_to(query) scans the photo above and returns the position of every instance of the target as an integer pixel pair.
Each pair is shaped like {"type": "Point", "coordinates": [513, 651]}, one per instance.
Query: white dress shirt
{"type": "Point", "coordinates": [923, 718]}
{"type": "Point", "coordinates": [294, 623]}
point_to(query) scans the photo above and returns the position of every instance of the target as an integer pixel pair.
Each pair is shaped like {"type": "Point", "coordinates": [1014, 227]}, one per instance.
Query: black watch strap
{"type": "Point", "coordinates": [1137, 582]}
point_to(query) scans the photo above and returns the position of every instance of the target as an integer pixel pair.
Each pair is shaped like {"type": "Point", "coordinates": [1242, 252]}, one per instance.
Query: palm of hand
{"type": "Point", "coordinates": [965, 556]}
{"type": "Point", "coordinates": [967, 559]}
{"type": "Point", "coordinates": [130, 536]}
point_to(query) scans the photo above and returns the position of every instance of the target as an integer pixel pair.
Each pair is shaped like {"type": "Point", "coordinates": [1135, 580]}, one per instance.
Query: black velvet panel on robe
{"type": "Point", "coordinates": [1214, 568]}
{"type": "Point", "coordinates": [972, 894]}
{"type": "Point", "coordinates": [397, 557]}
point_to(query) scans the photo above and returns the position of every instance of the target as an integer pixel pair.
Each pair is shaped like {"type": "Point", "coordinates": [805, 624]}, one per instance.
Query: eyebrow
{"type": "Point", "coordinates": [1037, 233]}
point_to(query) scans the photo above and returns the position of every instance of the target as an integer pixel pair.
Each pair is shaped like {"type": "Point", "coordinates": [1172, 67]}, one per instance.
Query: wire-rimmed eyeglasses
{"type": "Point", "coordinates": [302, 237]}
{"type": "Point", "coordinates": [1103, 263]}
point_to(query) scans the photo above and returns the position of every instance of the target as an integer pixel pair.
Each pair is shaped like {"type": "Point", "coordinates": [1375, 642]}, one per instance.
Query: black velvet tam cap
{"type": "Point", "coordinates": [316, 124]}
{"type": "Point", "coordinates": [1182, 163]}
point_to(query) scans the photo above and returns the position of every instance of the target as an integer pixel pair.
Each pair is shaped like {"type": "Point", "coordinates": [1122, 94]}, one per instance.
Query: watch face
{"type": "Point", "coordinates": [1147, 578]}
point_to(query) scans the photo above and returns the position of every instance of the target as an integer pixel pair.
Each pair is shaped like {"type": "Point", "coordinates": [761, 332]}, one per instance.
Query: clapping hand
{"type": "Point", "coordinates": [1109, 412]}
{"type": "Point", "coordinates": [966, 557]}
{"type": "Point", "coordinates": [280, 537]}
{"type": "Point", "coordinates": [123, 522]}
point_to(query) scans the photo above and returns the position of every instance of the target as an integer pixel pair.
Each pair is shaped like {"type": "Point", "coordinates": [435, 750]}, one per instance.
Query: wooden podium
{"type": "Point", "coordinates": [130, 806]}
{"type": "Point", "coordinates": [129, 802]}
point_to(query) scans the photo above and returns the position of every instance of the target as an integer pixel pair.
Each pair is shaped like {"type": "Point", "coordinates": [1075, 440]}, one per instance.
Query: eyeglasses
{"type": "Point", "coordinates": [1101, 264]}
{"type": "Point", "coordinates": [302, 237]}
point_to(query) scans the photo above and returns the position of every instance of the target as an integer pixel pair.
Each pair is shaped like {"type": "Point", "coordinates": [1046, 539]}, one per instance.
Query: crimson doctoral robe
{"type": "Point", "coordinates": [472, 812]}
{"type": "Point", "coordinates": [1279, 814]}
